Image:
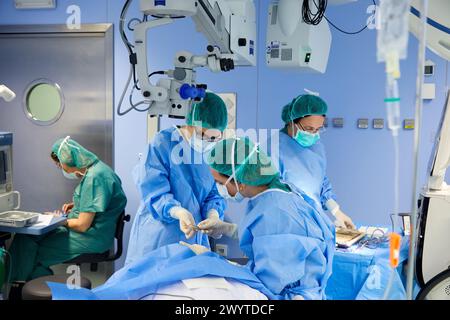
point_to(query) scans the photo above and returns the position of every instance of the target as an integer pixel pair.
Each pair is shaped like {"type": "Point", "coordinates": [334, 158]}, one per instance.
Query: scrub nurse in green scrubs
{"type": "Point", "coordinates": [98, 201]}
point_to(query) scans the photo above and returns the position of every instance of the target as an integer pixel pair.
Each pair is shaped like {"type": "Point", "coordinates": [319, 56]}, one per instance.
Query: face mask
{"type": "Point", "coordinates": [223, 191]}
{"type": "Point", "coordinates": [306, 139]}
{"type": "Point", "coordinates": [71, 176]}
{"type": "Point", "coordinates": [238, 197]}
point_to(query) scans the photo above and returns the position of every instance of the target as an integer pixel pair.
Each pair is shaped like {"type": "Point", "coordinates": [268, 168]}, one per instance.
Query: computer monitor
{"type": "Point", "coordinates": [440, 157]}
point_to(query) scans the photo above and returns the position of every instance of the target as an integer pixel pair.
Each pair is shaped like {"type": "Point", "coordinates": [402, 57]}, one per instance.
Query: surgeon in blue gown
{"type": "Point", "coordinates": [301, 156]}
{"type": "Point", "coordinates": [290, 244]}
{"type": "Point", "coordinates": [176, 186]}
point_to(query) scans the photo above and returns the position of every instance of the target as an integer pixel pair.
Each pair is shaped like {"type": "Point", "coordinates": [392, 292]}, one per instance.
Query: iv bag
{"type": "Point", "coordinates": [393, 30]}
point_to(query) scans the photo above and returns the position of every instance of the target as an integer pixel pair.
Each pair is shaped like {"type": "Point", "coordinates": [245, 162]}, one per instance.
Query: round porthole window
{"type": "Point", "coordinates": [43, 102]}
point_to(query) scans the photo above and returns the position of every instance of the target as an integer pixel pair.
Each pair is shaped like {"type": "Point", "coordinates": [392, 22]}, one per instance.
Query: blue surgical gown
{"type": "Point", "coordinates": [290, 245]}
{"type": "Point", "coordinates": [157, 269]}
{"type": "Point", "coordinates": [172, 174]}
{"type": "Point", "coordinates": [305, 169]}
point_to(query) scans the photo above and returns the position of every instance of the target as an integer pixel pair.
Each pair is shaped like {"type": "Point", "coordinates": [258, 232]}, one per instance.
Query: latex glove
{"type": "Point", "coordinates": [215, 228]}
{"type": "Point", "coordinates": [196, 248]}
{"type": "Point", "coordinates": [187, 222]}
{"type": "Point", "coordinates": [344, 220]}
{"type": "Point", "coordinates": [66, 208]}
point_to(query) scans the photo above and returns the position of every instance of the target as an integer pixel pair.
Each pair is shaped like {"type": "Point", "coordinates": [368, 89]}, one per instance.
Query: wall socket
{"type": "Point", "coordinates": [222, 250]}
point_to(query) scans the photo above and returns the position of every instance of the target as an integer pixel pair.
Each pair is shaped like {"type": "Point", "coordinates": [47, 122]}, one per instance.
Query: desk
{"type": "Point", "coordinates": [35, 231]}
{"type": "Point", "coordinates": [364, 274]}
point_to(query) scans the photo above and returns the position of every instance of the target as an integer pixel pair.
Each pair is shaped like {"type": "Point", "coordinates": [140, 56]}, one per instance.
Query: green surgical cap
{"type": "Point", "coordinates": [302, 106]}
{"type": "Point", "coordinates": [73, 154]}
{"type": "Point", "coordinates": [210, 113]}
{"type": "Point", "coordinates": [252, 166]}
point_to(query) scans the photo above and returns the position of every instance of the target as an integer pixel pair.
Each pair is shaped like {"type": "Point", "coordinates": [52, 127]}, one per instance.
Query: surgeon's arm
{"type": "Point", "coordinates": [152, 179]}
{"type": "Point", "coordinates": [326, 193]}
{"type": "Point", "coordinates": [82, 223]}
{"type": "Point", "coordinates": [213, 202]}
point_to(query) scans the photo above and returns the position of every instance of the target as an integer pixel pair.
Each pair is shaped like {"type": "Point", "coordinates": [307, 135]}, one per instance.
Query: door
{"type": "Point", "coordinates": [63, 80]}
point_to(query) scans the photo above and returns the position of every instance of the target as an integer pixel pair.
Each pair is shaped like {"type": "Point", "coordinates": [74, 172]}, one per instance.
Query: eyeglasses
{"type": "Point", "coordinates": [311, 129]}
{"type": "Point", "coordinates": [209, 138]}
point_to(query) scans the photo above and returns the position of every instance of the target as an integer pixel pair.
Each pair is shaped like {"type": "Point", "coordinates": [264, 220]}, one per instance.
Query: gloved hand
{"type": "Point", "coordinates": [215, 228]}
{"type": "Point", "coordinates": [187, 222]}
{"type": "Point", "coordinates": [196, 248]}
{"type": "Point", "coordinates": [298, 297]}
{"type": "Point", "coordinates": [344, 220]}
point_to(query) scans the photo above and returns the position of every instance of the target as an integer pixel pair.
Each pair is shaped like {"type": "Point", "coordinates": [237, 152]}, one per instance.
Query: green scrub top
{"type": "Point", "coordinates": [100, 191]}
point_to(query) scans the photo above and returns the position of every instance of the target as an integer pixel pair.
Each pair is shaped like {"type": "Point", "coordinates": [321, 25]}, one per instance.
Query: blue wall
{"type": "Point", "coordinates": [360, 162]}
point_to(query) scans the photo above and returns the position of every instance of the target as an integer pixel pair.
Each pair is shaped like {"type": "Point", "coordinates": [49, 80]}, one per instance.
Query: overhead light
{"type": "Point", "coordinates": [35, 4]}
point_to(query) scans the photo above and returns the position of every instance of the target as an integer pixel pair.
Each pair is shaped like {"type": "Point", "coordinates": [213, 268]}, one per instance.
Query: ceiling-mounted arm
{"type": "Point", "coordinates": [231, 26]}
{"type": "Point", "coordinates": [149, 91]}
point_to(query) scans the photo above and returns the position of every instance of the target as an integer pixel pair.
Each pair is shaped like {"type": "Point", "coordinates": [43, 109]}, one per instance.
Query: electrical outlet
{"type": "Point", "coordinates": [222, 250]}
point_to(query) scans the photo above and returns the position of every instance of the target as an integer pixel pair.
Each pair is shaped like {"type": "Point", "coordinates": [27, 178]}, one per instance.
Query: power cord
{"type": "Point", "coordinates": [336, 27]}
{"type": "Point", "coordinates": [314, 18]}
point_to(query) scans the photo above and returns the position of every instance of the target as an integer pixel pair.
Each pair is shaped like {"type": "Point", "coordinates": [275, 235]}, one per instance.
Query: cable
{"type": "Point", "coordinates": [135, 105]}
{"type": "Point", "coordinates": [126, 41]}
{"type": "Point", "coordinates": [156, 72]}
{"type": "Point", "coordinates": [130, 75]}
{"type": "Point", "coordinates": [314, 18]}
{"type": "Point", "coordinates": [132, 72]}
{"type": "Point", "coordinates": [133, 20]}
{"type": "Point", "coordinates": [121, 26]}
{"type": "Point", "coordinates": [132, 55]}
{"type": "Point", "coordinates": [129, 47]}
{"type": "Point", "coordinates": [374, 241]}
{"type": "Point", "coordinates": [340, 29]}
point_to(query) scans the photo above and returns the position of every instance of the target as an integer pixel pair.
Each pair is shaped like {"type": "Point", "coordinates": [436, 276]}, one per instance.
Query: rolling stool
{"type": "Point", "coordinates": [37, 289]}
